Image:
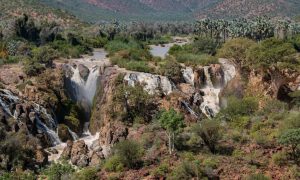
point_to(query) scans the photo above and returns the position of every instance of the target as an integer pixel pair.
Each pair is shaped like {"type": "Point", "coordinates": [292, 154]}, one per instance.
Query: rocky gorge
{"type": "Point", "coordinates": [90, 84]}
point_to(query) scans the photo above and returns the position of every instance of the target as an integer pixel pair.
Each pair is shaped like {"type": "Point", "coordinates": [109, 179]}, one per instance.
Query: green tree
{"type": "Point", "coordinates": [172, 122]}
{"type": "Point", "coordinates": [291, 137]}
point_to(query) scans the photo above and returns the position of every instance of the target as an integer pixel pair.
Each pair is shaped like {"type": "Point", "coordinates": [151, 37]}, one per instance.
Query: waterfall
{"type": "Point", "coordinates": [82, 91]}
{"type": "Point", "coordinates": [73, 134]}
{"type": "Point", "coordinates": [51, 133]}
{"type": "Point", "coordinates": [7, 100]}
{"type": "Point", "coordinates": [210, 105]}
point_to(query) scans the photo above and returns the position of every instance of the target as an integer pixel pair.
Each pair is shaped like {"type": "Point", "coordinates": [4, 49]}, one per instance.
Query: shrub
{"type": "Point", "coordinates": [257, 177]}
{"type": "Point", "coordinates": [291, 137]}
{"type": "Point", "coordinates": [114, 164]}
{"type": "Point", "coordinates": [44, 55]}
{"type": "Point", "coordinates": [205, 45]}
{"type": "Point", "coordinates": [26, 175]}
{"type": "Point", "coordinates": [33, 68]}
{"type": "Point", "coordinates": [187, 170]}
{"type": "Point", "coordinates": [129, 153]}
{"type": "Point", "coordinates": [172, 70]}
{"type": "Point", "coordinates": [161, 171]}
{"type": "Point", "coordinates": [279, 158]}
{"type": "Point", "coordinates": [209, 131]}
{"type": "Point", "coordinates": [270, 52]}
{"type": "Point", "coordinates": [138, 103]}
{"type": "Point", "coordinates": [193, 59]}
{"type": "Point", "coordinates": [235, 50]}
{"type": "Point", "coordinates": [58, 170]}
{"type": "Point", "coordinates": [240, 107]}
{"type": "Point", "coordinates": [89, 173]}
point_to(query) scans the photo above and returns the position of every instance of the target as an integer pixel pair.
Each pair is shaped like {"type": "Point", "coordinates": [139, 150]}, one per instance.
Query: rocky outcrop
{"type": "Point", "coordinates": [83, 71]}
{"type": "Point", "coordinates": [41, 156]}
{"type": "Point", "coordinates": [153, 84]}
{"type": "Point", "coordinates": [273, 83]}
{"type": "Point", "coordinates": [79, 153]}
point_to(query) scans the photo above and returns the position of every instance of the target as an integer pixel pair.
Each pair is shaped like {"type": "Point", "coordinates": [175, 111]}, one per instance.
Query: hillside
{"type": "Point", "coordinates": [168, 10]}
{"type": "Point", "coordinates": [10, 10]}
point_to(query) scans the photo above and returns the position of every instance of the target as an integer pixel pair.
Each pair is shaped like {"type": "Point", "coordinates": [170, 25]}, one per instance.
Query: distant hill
{"type": "Point", "coordinates": [165, 10]}
{"type": "Point", "coordinates": [12, 9]}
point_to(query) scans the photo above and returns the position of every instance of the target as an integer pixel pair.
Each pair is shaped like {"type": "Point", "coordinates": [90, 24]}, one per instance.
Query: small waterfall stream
{"type": "Point", "coordinates": [8, 102]}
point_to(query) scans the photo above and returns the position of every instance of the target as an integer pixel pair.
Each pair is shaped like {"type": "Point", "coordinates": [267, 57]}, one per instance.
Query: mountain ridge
{"type": "Point", "coordinates": [175, 10]}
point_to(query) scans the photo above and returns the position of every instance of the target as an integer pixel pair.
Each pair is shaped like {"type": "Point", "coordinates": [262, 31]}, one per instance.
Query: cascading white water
{"type": "Point", "coordinates": [7, 99]}
{"type": "Point", "coordinates": [73, 134]}
{"type": "Point", "coordinates": [210, 105]}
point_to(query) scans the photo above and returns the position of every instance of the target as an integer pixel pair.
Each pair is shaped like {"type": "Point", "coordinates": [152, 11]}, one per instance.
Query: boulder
{"type": "Point", "coordinates": [83, 71]}
{"type": "Point", "coordinates": [79, 154]}
{"type": "Point", "coordinates": [41, 156]}
{"type": "Point", "coordinates": [66, 154]}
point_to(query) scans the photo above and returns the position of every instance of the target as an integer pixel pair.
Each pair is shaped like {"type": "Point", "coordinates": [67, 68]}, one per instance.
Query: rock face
{"type": "Point", "coordinates": [273, 83]}
{"type": "Point", "coordinates": [153, 84]}
{"type": "Point", "coordinates": [83, 71]}
{"type": "Point", "coordinates": [82, 156]}
{"type": "Point", "coordinates": [79, 154]}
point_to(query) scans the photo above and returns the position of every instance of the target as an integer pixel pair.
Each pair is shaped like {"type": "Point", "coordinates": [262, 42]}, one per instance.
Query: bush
{"type": "Point", "coordinates": [44, 55]}
{"type": "Point", "coordinates": [129, 153]}
{"type": "Point", "coordinates": [172, 70]}
{"type": "Point", "coordinates": [187, 170]}
{"type": "Point", "coordinates": [274, 52]}
{"type": "Point", "coordinates": [26, 175]}
{"type": "Point", "coordinates": [209, 131]}
{"type": "Point", "coordinates": [114, 164]}
{"type": "Point", "coordinates": [240, 107]}
{"type": "Point", "coordinates": [89, 173]}
{"type": "Point", "coordinates": [291, 137]}
{"type": "Point", "coordinates": [161, 171]}
{"type": "Point", "coordinates": [235, 50]}
{"type": "Point", "coordinates": [58, 170]}
{"type": "Point", "coordinates": [33, 68]}
{"type": "Point", "coordinates": [193, 59]}
{"type": "Point", "coordinates": [257, 177]}
{"type": "Point", "coordinates": [279, 158]}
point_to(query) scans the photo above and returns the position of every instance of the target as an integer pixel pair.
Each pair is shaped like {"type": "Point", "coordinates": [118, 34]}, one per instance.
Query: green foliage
{"type": "Point", "coordinates": [44, 55]}
{"type": "Point", "coordinates": [172, 122]}
{"type": "Point", "coordinates": [279, 158]}
{"type": "Point", "coordinates": [161, 171]}
{"type": "Point", "coordinates": [209, 131]}
{"type": "Point", "coordinates": [235, 50]}
{"type": "Point", "coordinates": [273, 52]}
{"type": "Point", "coordinates": [26, 175]}
{"type": "Point", "coordinates": [257, 177]}
{"type": "Point", "coordinates": [129, 153]}
{"type": "Point", "coordinates": [58, 170]}
{"type": "Point", "coordinates": [204, 45]}
{"type": "Point", "coordinates": [186, 170]}
{"type": "Point", "coordinates": [172, 70]}
{"type": "Point", "coordinates": [89, 173]}
{"type": "Point", "coordinates": [129, 54]}
{"type": "Point", "coordinates": [138, 103]}
{"type": "Point", "coordinates": [291, 137]}
{"type": "Point", "coordinates": [114, 164]}
{"type": "Point", "coordinates": [240, 107]}
{"type": "Point", "coordinates": [17, 148]}
{"type": "Point", "coordinates": [194, 59]}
